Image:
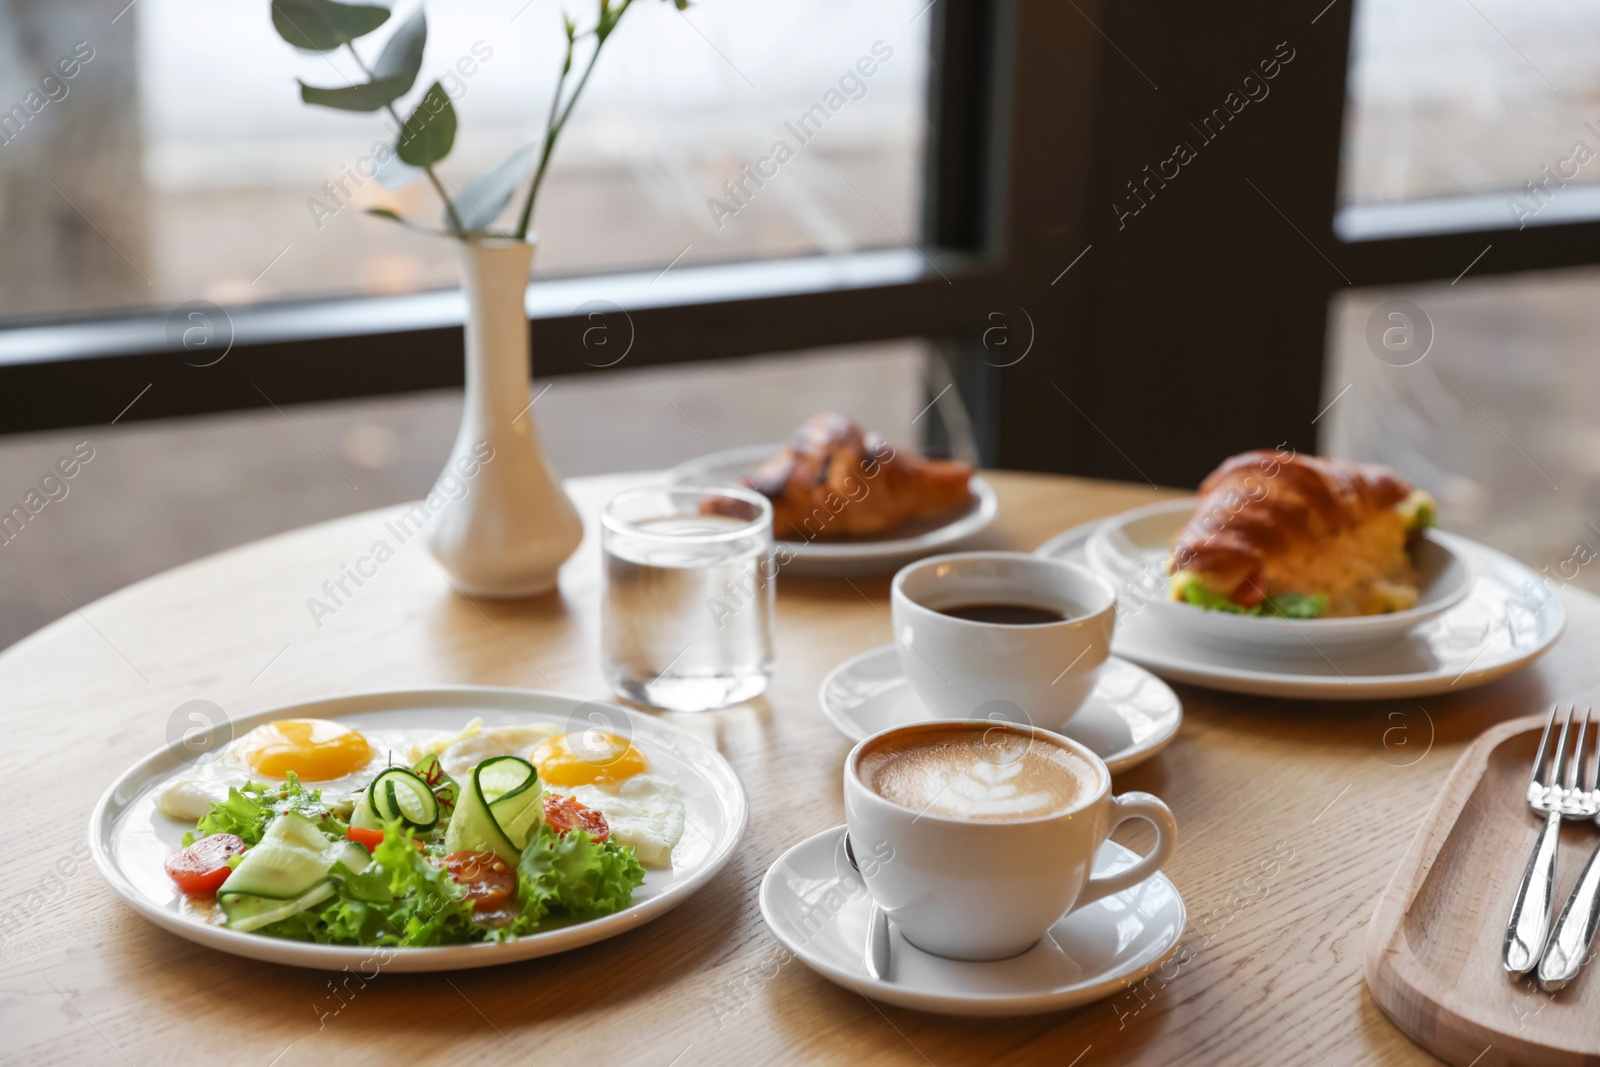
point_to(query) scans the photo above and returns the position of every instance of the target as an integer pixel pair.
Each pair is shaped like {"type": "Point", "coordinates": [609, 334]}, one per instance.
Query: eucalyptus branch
{"type": "Point", "coordinates": [400, 126]}
{"type": "Point", "coordinates": [609, 17]}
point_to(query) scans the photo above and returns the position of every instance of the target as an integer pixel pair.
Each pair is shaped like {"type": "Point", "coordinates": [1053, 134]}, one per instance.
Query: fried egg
{"type": "Point", "coordinates": [608, 773]}
{"type": "Point", "coordinates": [599, 770]}
{"type": "Point", "coordinates": [474, 745]}
{"type": "Point", "coordinates": [324, 755]}
{"type": "Point", "coordinates": [644, 811]}
{"type": "Point", "coordinates": [588, 757]}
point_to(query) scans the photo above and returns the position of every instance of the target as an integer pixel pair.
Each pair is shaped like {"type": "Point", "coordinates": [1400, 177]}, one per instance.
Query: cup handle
{"type": "Point", "coordinates": [1134, 806]}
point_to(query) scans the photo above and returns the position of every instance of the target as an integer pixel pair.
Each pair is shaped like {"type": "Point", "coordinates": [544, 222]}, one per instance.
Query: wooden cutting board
{"type": "Point", "coordinates": [1433, 951]}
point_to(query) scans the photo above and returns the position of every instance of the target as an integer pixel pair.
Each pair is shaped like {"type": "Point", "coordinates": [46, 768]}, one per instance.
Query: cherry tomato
{"type": "Point", "coordinates": [565, 814]}
{"type": "Point", "coordinates": [488, 879]}
{"type": "Point", "coordinates": [201, 868]}
{"type": "Point", "coordinates": [370, 838]}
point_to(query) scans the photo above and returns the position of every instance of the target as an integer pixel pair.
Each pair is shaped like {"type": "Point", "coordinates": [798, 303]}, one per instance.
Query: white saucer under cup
{"type": "Point", "coordinates": [1129, 716]}
{"type": "Point", "coordinates": [819, 909]}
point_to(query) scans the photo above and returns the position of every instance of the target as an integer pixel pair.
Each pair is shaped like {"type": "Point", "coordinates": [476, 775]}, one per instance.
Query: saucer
{"type": "Point", "coordinates": [1129, 717]}
{"type": "Point", "coordinates": [817, 906]}
{"type": "Point", "coordinates": [1510, 618]}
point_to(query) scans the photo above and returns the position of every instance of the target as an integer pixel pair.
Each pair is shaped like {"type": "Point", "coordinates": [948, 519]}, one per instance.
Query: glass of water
{"type": "Point", "coordinates": [686, 622]}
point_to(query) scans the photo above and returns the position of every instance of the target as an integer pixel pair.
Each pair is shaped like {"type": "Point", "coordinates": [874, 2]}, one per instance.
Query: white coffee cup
{"type": "Point", "coordinates": [988, 889]}
{"type": "Point", "coordinates": [1036, 674]}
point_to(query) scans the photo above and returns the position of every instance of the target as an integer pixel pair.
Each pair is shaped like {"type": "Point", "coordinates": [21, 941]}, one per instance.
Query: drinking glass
{"type": "Point", "coordinates": [686, 620]}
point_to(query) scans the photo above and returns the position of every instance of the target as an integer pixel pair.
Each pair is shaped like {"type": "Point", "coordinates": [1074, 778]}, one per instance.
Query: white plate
{"type": "Point", "coordinates": [1129, 717]}
{"type": "Point", "coordinates": [1506, 622]}
{"type": "Point", "coordinates": [817, 906]}
{"type": "Point", "coordinates": [839, 558]}
{"type": "Point", "coordinates": [130, 839]}
{"type": "Point", "coordinates": [1134, 547]}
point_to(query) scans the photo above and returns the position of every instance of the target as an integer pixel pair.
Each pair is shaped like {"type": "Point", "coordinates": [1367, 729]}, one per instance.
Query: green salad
{"type": "Point", "coordinates": [1282, 606]}
{"type": "Point", "coordinates": [416, 859]}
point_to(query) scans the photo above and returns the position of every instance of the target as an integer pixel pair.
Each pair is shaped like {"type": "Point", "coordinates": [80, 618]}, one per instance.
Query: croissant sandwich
{"type": "Point", "coordinates": [833, 481]}
{"type": "Point", "coordinates": [1279, 533]}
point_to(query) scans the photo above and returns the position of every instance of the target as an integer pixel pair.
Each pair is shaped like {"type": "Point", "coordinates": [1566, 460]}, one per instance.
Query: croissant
{"type": "Point", "coordinates": [833, 481]}
{"type": "Point", "coordinates": [1320, 536]}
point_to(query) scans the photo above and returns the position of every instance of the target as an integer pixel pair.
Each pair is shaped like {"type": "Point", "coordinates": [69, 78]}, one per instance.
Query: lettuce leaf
{"type": "Point", "coordinates": [1282, 606]}
{"type": "Point", "coordinates": [1297, 606]}
{"type": "Point", "coordinates": [575, 874]}
{"type": "Point", "coordinates": [247, 811]}
{"type": "Point", "coordinates": [399, 899]}
{"type": "Point", "coordinates": [1201, 597]}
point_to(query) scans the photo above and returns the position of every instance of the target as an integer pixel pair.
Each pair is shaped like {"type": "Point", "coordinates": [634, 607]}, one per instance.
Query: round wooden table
{"type": "Point", "coordinates": [1271, 970]}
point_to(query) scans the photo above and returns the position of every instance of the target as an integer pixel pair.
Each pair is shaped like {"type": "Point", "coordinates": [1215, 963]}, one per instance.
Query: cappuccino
{"type": "Point", "coordinates": [977, 771]}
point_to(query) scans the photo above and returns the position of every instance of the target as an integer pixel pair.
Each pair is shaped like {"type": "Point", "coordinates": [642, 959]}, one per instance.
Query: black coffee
{"type": "Point", "coordinates": [1004, 614]}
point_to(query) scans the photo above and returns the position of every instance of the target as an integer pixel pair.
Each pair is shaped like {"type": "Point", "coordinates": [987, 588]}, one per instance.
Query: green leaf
{"type": "Point", "coordinates": [572, 871]}
{"type": "Point", "coordinates": [1201, 597]}
{"type": "Point", "coordinates": [1297, 606]}
{"type": "Point", "coordinates": [392, 76]}
{"type": "Point", "coordinates": [322, 25]}
{"type": "Point", "coordinates": [250, 807]}
{"type": "Point", "coordinates": [486, 196]}
{"type": "Point", "coordinates": [399, 899]}
{"type": "Point", "coordinates": [430, 131]}
{"type": "Point", "coordinates": [1282, 606]}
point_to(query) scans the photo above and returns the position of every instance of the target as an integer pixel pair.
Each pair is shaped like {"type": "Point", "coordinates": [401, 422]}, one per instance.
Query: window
{"type": "Point", "coordinates": [231, 190]}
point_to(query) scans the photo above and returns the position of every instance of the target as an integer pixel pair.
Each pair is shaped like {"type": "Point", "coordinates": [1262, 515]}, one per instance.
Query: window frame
{"type": "Point", "coordinates": [996, 66]}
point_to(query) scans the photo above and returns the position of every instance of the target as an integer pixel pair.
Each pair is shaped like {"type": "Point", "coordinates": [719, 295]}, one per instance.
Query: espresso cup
{"type": "Point", "coordinates": [995, 856]}
{"type": "Point", "coordinates": [1038, 674]}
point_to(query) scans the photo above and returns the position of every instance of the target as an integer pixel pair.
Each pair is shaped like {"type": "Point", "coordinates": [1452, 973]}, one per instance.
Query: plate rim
{"type": "Point", "coordinates": [1296, 687]}
{"type": "Point", "coordinates": [1122, 763]}
{"type": "Point", "coordinates": [415, 959]}
{"type": "Point", "coordinates": [990, 1004]}
{"type": "Point", "coordinates": [958, 529]}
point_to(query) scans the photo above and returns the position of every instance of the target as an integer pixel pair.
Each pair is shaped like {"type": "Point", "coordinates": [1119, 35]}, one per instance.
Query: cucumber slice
{"type": "Point", "coordinates": [252, 913]}
{"type": "Point", "coordinates": [518, 815]}
{"type": "Point", "coordinates": [291, 858]}
{"type": "Point", "coordinates": [286, 873]}
{"type": "Point", "coordinates": [398, 793]}
{"type": "Point", "coordinates": [492, 813]}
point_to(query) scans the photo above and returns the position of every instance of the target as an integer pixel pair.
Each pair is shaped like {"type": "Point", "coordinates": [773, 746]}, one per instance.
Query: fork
{"type": "Point", "coordinates": [1529, 925]}
{"type": "Point", "coordinates": [1574, 930]}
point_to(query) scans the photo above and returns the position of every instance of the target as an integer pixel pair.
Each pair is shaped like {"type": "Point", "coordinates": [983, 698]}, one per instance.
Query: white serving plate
{"type": "Point", "coordinates": [1129, 716]}
{"type": "Point", "coordinates": [1134, 547]}
{"type": "Point", "coordinates": [1505, 622]}
{"type": "Point", "coordinates": [839, 558]}
{"type": "Point", "coordinates": [130, 840]}
{"type": "Point", "coordinates": [818, 907]}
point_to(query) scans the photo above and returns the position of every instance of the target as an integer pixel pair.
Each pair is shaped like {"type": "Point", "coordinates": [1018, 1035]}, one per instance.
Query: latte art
{"type": "Point", "coordinates": [978, 773]}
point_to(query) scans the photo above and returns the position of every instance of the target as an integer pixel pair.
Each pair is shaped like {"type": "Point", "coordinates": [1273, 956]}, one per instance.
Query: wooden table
{"type": "Point", "coordinates": [1322, 796]}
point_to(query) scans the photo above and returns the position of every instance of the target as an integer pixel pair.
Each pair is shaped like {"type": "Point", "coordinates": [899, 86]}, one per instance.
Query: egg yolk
{"type": "Point", "coordinates": [314, 749]}
{"type": "Point", "coordinates": [586, 757]}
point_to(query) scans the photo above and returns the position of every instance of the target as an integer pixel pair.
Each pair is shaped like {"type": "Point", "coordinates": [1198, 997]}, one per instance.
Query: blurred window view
{"type": "Point", "coordinates": [182, 165]}
{"type": "Point", "coordinates": [1490, 404]}
{"type": "Point", "coordinates": [1484, 390]}
{"type": "Point", "coordinates": [1449, 98]}
{"type": "Point", "coordinates": [178, 163]}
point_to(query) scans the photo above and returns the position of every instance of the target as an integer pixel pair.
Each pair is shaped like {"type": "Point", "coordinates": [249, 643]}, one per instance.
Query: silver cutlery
{"type": "Point", "coordinates": [1574, 930]}
{"type": "Point", "coordinates": [877, 952]}
{"type": "Point", "coordinates": [1528, 928]}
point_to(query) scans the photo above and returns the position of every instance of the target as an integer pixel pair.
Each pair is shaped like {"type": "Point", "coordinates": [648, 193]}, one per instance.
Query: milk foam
{"type": "Point", "coordinates": [958, 774]}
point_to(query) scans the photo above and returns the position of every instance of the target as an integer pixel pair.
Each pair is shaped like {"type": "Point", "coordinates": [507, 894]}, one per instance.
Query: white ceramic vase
{"type": "Point", "coordinates": [501, 525]}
